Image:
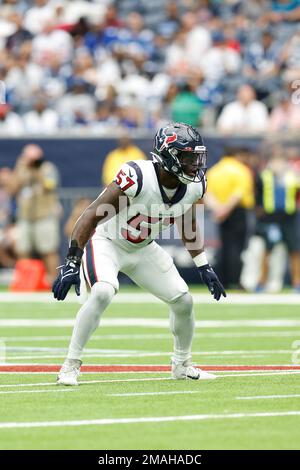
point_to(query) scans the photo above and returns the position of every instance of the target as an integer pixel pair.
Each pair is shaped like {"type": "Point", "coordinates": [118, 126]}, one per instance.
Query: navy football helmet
{"type": "Point", "coordinates": [180, 150]}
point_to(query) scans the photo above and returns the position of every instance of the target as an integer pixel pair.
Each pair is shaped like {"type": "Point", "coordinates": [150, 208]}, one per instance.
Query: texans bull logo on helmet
{"type": "Point", "coordinates": [168, 140]}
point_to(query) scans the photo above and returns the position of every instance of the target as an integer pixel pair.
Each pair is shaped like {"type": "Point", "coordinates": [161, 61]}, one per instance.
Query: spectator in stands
{"type": "Point", "coordinates": [124, 152]}
{"type": "Point", "coordinates": [290, 58]}
{"type": "Point", "coordinates": [77, 107]}
{"type": "Point", "coordinates": [186, 106]}
{"type": "Point", "coordinates": [197, 40]}
{"type": "Point", "coordinates": [136, 38]}
{"type": "Point", "coordinates": [24, 78]}
{"type": "Point", "coordinates": [261, 63]}
{"type": "Point", "coordinates": [169, 96]}
{"type": "Point", "coordinates": [10, 122]}
{"type": "Point", "coordinates": [106, 118]}
{"type": "Point", "coordinates": [21, 34]}
{"type": "Point", "coordinates": [112, 19]}
{"type": "Point", "coordinates": [283, 10]}
{"type": "Point", "coordinates": [176, 57]}
{"type": "Point", "coordinates": [130, 116]}
{"type": "Point", "coordinates": [140, 47]}
{"type": "Point", "coordinates": [230, 195]}
{"type": "Point", "coordinates": [246, 115]}
{"type": "Point", "coordinates": [221, 59]}
{"type": "Point", "coordinates": [34, 183]}
{"type": "Point", "coordinates": [52, 41]}
{"type": "Point", "coordinates": [285, 116]}
{"type": "Point", "coordinates": [42, 119]}
{"type": "Point", "coordinates": [171, 23]}
{"type": "Point", "coordinates": [38, 15]}
{"type": "Point", "coordinates": [285, 5]}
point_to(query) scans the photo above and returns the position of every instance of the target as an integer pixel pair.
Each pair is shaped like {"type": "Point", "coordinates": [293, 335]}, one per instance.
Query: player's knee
{"type": "Point", "coordinates": [183, 304]}
{"type": "Point", "coordinates": [103, 292]}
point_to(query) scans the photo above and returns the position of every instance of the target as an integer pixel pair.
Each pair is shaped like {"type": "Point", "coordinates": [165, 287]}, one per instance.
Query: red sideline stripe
{"type": "Point", "coordinates": [134, 368]}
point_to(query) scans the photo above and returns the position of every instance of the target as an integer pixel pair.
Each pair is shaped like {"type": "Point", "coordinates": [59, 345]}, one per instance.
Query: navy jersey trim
{"type": "Point", "coordinates": [90, 261]}
{"type": "Point", "coordinates": [84, 273]}
{"type": "Point", "coordinates": [139, 174]}
{"type": "Point", "coordinates": [204, 185]}
{"type": "Point", "coordinates": [180, 192]}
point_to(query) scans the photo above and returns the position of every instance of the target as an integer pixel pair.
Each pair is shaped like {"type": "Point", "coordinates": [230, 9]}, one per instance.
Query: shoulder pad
{"type": "Point", "coordinates": [130, 179]}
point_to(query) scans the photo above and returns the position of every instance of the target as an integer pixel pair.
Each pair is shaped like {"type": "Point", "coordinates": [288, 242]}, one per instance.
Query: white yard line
{"type": "Point", "coordinates": [267, 373]}
{"type": "Point", "coordinates": [144, 298]}
{"type": "Point", "coordinates": [220, 374]}
{"type": "Point", "coordinates": [140, 394]}
{"type": "Point", "coordinates": [149, 323]}
{"type": "Point", "coordinates": [130, 354]}
{"type": "Point", "coordinates": [267, 397]}
{"type": "Point", "coordinates": [147, 419]}
{"type": "Point", "coordinates": [54, 349]}
{"type": "Point", "coordinates": [38, 391]}
{"type": "Point", "coordinates": [250, 334]}
{"type": "Point", "coordinates": [154, 336]}
{"type": "Point", "coordinates": [87, 382]}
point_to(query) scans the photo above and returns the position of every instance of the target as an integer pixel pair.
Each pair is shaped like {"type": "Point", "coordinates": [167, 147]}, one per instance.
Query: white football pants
{"type": "Point", "coordinates": [151, 268]}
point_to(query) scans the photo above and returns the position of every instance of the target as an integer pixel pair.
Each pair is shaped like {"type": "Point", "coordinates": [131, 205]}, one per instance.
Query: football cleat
{"type": "Point", "coordinates": [69, 372]}
{"type": "Point", "coordinates": [185, 370]}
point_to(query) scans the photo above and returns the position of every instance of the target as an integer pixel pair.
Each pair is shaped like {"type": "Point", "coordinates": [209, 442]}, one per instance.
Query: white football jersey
{"type": "Point", "coordinates": [150, 210]}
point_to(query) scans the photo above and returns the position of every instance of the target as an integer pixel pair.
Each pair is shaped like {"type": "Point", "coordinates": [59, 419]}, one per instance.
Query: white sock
{"type": "Point", "coordinates": [88, 317]}
{"type": "Point", "coordinates": [182, 325]}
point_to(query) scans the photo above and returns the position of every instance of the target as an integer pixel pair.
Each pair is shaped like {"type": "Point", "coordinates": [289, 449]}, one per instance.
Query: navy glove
{"type": "Point", "coordinates": [210, 278]}
{"type": "Point", "coordinates": [69, 274]}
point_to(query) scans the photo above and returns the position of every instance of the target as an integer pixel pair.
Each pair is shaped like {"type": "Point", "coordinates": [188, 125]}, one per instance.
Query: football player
{"type": "Point", "coordinates": [117, 231]}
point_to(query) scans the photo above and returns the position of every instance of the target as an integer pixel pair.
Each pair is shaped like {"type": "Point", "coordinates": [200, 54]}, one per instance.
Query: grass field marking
{"type": "Point", "coordinates": [38, 391]}
{"type": "Point", "coordinates": [261, 397]}
{"type": "Point", "coordinates": [58, 349]}
{"type": "Point", "coordinates": [147, 419]}
{"type": "Point", "coordinates": [148, 322]}
{"type": "Point", "coordinates": [133, 352]}
{"type": "Point", "coordinates": [143, 379]}
{"type": "Point", "coordinates": [262, 374]}
{"type": "Point", "coordinates": [136, 336]}
{"type": "Point", "coordinates": [220, 374]}
{"type": "Point", "coordinates": [87, 382]}
{"type": "Point", "coordinates": [96, 368]}
{"type": "Point", "coordinates": [124, 356]}
{"type": "Point", "coordinates": [260, 334]}
{"type": "Point", "coordinates": [142, 394]}
{"type": "Point", "coordinates": [83, 373]}
{"type": "Point", "coordinates": [143, 297]}
{"type": "Point", "coordinates": [136, 354]}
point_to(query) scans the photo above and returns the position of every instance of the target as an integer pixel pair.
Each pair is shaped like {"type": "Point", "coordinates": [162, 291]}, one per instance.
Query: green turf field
{"type": "Point", "coordinates": [242, 409]}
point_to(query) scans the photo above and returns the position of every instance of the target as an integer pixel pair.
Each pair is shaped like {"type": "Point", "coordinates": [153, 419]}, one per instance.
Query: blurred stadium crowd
{"type": "Point", "coordinates": [228, 64]}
